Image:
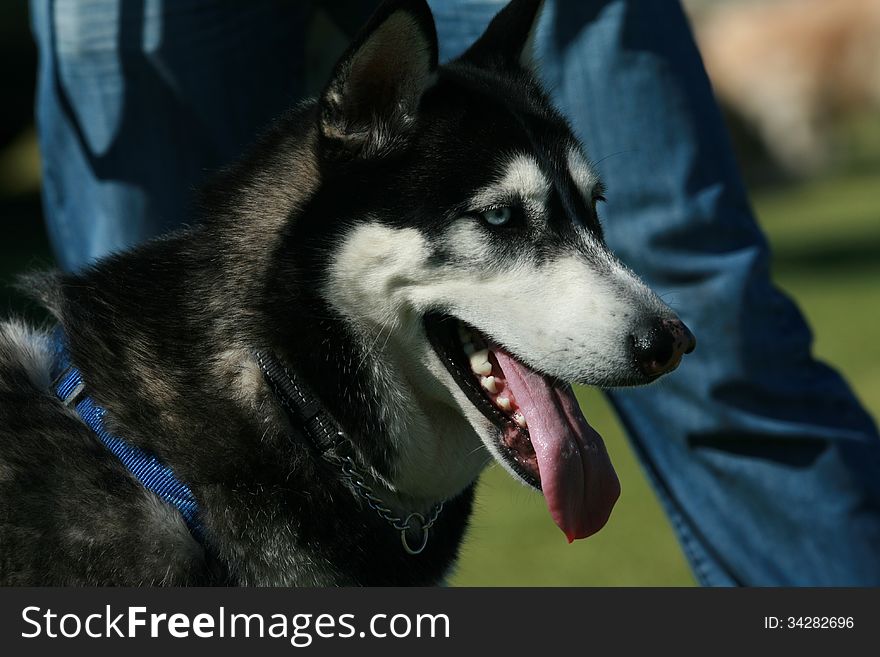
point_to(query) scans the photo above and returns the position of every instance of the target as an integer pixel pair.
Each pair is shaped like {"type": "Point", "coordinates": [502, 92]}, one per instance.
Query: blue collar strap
{"type": "Point", "coordinates": [156, 477]}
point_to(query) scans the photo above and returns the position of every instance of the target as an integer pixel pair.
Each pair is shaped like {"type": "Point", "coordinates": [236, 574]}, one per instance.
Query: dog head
{"type": "Point", "coordinates": [467, 259]}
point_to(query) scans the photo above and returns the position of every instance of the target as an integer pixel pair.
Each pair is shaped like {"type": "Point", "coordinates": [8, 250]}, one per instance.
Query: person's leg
{"type": "Point", "coordinates": [138, 99]}
{"type": "Point", "coordinates": [461, 22]}
{"type": "Point", "coordinates": [765, 461]}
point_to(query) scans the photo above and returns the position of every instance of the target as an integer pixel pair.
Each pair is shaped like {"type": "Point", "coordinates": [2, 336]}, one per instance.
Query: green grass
{"type": "Point", "coordinates": [826, 241]}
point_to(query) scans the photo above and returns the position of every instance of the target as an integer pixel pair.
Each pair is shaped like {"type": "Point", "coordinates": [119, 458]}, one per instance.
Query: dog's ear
{"type": "Point", "coordinates": [508, 42]}
{"type": "Point", "coordinates": [374, 93]}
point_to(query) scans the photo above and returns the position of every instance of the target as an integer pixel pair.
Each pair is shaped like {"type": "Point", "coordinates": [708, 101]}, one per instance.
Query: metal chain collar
{"type": "Point", "coordinates": [414, 521]}
{"type": "Point", "coordinates": [357, 481]}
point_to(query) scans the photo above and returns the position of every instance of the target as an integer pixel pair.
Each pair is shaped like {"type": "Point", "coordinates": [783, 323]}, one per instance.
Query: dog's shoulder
{"type": "Point", "coordinates": [25, 359]}
{"type": "Point", "coordinates": [70, 513]}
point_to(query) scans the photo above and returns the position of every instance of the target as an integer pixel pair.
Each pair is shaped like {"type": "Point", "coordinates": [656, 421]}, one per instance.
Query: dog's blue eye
{"type": "Point", "coordinates": [497, 216]}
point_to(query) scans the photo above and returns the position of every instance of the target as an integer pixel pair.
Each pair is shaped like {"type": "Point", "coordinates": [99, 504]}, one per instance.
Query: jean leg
{"type": "Point", "coordinates": [764, 459]}
{"type": "Point", "coordinates": [461, 22]}
{"type": "Point", "coordinates": [138, 99]}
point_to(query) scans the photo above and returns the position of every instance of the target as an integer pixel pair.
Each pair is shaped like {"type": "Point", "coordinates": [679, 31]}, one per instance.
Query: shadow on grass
{"type": "Point", "coordinates": [839, 257]}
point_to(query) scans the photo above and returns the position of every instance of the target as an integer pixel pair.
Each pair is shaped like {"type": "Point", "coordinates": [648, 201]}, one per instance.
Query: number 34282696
{"type": "Point", "coordinates": [808, 622]}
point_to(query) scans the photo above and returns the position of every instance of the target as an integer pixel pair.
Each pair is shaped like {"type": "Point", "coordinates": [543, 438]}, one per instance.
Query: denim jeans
{"type": "Point", "coordinates": [762, 457]}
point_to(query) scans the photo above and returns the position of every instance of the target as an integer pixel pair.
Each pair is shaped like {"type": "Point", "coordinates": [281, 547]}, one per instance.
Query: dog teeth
{"type": "Point", "coordinates": [520, 419]}
{"type": "Point", "coordinates": [480, 362]}
{"type": "Point", "coordinates": [503, 403]}
{"type": "Point", "coordinates": [489, 384]}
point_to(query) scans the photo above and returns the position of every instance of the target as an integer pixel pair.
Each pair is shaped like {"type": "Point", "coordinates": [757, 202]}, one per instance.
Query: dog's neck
{"type": "Point", "coordinates": [165, 357]}
{"type": "Point", "coordinates": [332, 445]}
{"type": "Point", "coordinates": [421, 450]}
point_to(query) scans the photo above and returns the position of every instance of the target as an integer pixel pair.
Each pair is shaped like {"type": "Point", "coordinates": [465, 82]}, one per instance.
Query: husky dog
{"type": "Point", "coordinates": [390, 289]}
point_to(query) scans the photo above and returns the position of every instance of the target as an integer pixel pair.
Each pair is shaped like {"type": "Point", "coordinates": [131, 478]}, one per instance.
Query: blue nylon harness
{"type": "Point", "coordinates": [69, 386]}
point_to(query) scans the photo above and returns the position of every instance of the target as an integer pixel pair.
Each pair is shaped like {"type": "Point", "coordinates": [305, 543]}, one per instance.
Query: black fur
{"type": "Point", "coordinates": [162, 333]}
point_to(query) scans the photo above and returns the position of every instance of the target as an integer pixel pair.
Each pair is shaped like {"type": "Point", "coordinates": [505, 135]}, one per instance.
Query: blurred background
{"type": "Point", "coordinates": [799, 82]}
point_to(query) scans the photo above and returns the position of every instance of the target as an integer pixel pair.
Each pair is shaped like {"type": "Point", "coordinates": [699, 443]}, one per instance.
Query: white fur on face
{"type": "Point", "coordinates": [571, 316]}
{"type": "Point", "coordinates": [585, 179]}
{"type": "Point", "coordinates": [523, 182]}
{"type": "Point", "coordinates": [370, 282]}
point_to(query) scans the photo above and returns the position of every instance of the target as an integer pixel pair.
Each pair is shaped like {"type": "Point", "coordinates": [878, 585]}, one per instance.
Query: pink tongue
{"type": "Point", "coordinates": [577, 477]}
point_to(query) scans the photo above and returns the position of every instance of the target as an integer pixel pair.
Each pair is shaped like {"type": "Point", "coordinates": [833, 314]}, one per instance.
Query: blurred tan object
{"type": "Point", "coordinates": [792, 68]}
{"type": "Point", "coordinates": [20, 165]}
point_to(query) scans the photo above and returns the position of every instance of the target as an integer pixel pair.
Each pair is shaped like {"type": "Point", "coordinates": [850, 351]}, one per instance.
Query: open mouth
{"type": "Point", "coordinates": [542, 433]}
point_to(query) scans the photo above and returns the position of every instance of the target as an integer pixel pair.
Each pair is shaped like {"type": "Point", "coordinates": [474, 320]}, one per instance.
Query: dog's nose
{"type": "Point", "coordinates": [659, 348]}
